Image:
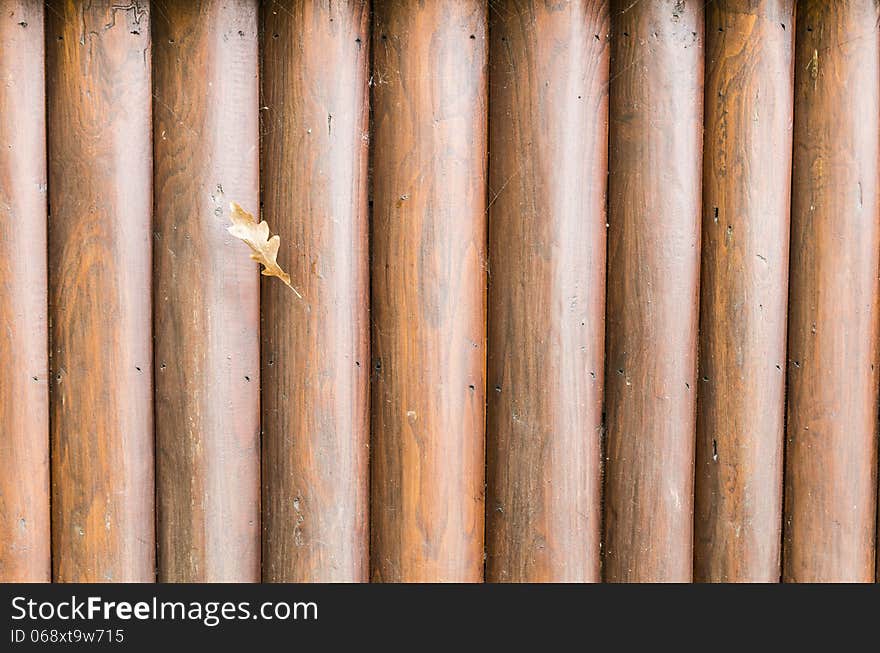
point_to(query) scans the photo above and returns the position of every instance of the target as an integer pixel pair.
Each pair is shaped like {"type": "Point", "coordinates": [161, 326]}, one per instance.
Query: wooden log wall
{"type": "Point", "coordinates": [582, 290]}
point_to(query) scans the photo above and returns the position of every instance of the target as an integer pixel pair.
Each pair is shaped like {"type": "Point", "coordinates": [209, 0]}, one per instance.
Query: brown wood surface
{"type": "Point", "coordinates": [25, 553]}
{"type": "Point", "coordinates": [656, 98]}
{"type": "Point", "coordinates": [428, 290]}
{"type": "Point", "coordinates": [744, 290]}
{"type": "Point", "coordinates": [831, 448]}
{"type": "Point", "coordinates": [316, 350]}
{"type": "Point", "coordinates": [548, 135]}
{"type": "Point", "coordinates": [100, 171]}
{"type": "Point", "coordinates": [206, 291]}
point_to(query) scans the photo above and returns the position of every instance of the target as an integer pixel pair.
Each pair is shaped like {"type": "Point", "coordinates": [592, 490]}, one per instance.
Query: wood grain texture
{"type": "Point", "coordinates": [744, 290]}
{"type": "Point", "coordinates": [25, 554]}
{"type": "Point", "coordinates": [206, 291]}
{"type": "Point", "coordinates": [100, 171]}
{"type": "Point", "coordinates": [316, 350]}
{"type": "Point", "coordinates": [548, 135]}
{"type": "Point", "coordinates": [831, 446]}
{"type": "Point", "coordinates": [656, 99]}
{"type": "Point", "coordinates": [428, 290]}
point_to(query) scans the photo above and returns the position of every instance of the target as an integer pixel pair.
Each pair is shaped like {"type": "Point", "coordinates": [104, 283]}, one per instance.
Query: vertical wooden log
{"type": "Point", "coordinates": [25, 554]}
{"type": "Point", "coordinates": [831, 450]}
{"type": "Point", "coordinates": [206, 291]}
{"type": "Point", "coordinates": [100, 171]}
{"type": "Point", "coordinates": [316, 350]}
{"type": "Point", "coordinates": [429, 290]}
{"type": "Point", "coordinates": [656, 99]}
{"type": "Point", "coordinates": [744, 290]}
{"type": "Point", "coordinates": [548, 135]}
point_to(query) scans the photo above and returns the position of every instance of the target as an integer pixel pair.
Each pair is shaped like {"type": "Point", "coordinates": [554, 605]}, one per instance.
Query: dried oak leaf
{"type": "Point", "coordinates": [264, 250]}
